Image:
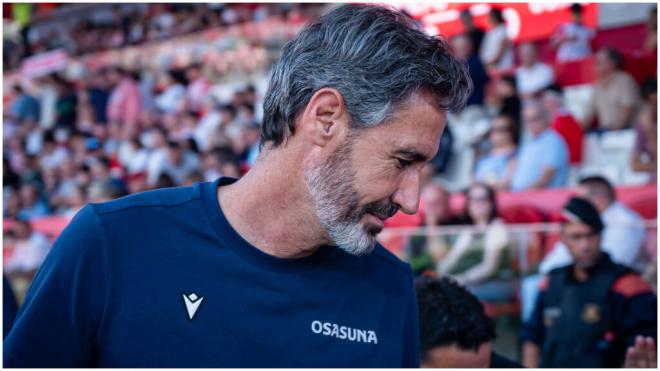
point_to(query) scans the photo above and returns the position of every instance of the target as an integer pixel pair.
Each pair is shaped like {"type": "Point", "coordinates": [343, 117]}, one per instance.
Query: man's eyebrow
{"type": "Point", "coordinates": [411, 155]}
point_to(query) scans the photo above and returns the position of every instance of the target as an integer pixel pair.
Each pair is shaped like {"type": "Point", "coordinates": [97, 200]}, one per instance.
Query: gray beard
{"type": "Point", "coordinates": [330, 187]}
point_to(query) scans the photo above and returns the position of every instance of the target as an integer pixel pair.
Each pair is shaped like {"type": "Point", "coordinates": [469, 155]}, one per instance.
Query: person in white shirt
{"type": "Point", "coordinates": [497, 49]}
{"type": "Point", "coordinates": [533, 75]}
{"type": "Point", "coordinates": [573, 40]}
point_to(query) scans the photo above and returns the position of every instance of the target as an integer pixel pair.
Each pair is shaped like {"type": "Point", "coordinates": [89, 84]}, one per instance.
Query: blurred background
{"type": "Point", "coordinates": [104, 100]}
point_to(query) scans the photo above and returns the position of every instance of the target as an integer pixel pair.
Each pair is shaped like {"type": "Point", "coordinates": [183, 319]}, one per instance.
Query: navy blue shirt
{"type": "Point", "coordinates": [162, 279]}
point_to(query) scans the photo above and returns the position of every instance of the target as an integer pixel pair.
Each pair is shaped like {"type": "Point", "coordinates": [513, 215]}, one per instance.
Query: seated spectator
{"type": "Point", "coordinates": [24, 107]}
{"type": "Point", "coordinates": [496, 167]}
{"type": "Point", "coordinates": [173, 94]}
{"type": "Point", "coordinates": [32, 204]}
{"type": "Point", "coordinates": [463, 48]}
{"type": "Point", "coordinates": [475, 33]}
{"type": "Point", "coordinates": [507, 99]}
{"type": "Point", "coordinates": [616, 97]}
{"type": "Point", "coordinates": [30, 250]}
{"type": "Point", "coordinates": [590, 312]}
{"type": "Point", "coordinates": [480, 257]}
{"type": "Point", "coordinates": [564, 124]}
{"type": "Point", "coordinates": [180, 163]}
{"type": "Point", "coordinates": [573, 39]}
{"type": "Point", "coordinates": [542, 160]}
{"type": "Point", "coordinates": [645, 153]}
{"type": "Point", "coordinates": [623, 234]}
{"type": "Point", "coordinates": [426, 249]}
{"type": "Point", "coordinates": [496, 51]}
{"type": "Point", "coordinates": [651, 40]}
{"type": "Point", "coordinates": [124, 104]}
{"type": "Point", "coordinates": [532, 75]}
{"type": "Point", "coordinates": [454, 330]}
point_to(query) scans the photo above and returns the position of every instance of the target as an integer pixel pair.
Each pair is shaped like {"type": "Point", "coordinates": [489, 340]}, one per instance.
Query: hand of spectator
{"type": "Point", "coordinates": [642, 354]}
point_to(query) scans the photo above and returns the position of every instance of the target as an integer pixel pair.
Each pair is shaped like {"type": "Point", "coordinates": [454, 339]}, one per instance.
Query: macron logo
{"type": "Point", "coordinates": [344, 332]}
{"type": "Point", "coordinates": [192, 304]}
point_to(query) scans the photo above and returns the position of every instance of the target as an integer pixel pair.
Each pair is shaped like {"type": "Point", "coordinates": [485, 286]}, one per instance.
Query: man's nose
{"type": "Point", "coordinates": [406, 195]}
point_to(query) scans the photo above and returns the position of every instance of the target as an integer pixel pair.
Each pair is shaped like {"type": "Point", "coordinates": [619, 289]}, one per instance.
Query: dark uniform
{"type": "Point", "coordinates": [591, 324]}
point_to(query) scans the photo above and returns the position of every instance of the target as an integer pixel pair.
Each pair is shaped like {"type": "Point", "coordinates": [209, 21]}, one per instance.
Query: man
{"type": "Point", "coordinates": [588, 313]}
{"type": "Point", "coordinates": [564, 123]}
{"type": "Point", "coordinates": [475, 33]}
{"type": "Point", "coordinates": [532, 75]}
{"type": "Point", "coordinates": [463, 47]}
{"type": "Point", "coordinates": [573, 39]}
{"type": "Point", "coordinates": [281, 267]}
{"type": "Point", "coordinates": [616, 99]}
{"type": "Point", "coordinates": [623, 234]}
{"type": "Point", "coordinates": [454, 330]}
{"type": "Point", "coordinates": [425, 250]}
{"type": "Point", "coordinates": [542, 160]}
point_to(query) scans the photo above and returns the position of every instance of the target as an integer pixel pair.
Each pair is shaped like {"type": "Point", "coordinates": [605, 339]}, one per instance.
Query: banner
{"type": "Point", "coordinates": [525, 21]}
{"type": "Point", "coordinates": [44, 63]}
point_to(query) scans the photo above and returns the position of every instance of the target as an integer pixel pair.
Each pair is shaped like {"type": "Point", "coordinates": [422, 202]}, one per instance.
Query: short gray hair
{"type": "Point", "coordinates": [374, 56]}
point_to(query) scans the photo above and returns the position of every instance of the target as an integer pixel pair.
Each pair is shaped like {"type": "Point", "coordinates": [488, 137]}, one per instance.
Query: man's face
{"type": "Point", "coordinates": [534, 121]}
{"type": "Point", "coordinates": [582, 243]}
{"type": "Point", "coordinates": [603, 65]}
{"type": "Point", "coordinates": [371, 175]}
{"type": "Point", "coordinates": [455, 357]}
{"type": "Point", "coordinates": [436, 203]}
{"type": "Point", "coordinates": [527, 54]}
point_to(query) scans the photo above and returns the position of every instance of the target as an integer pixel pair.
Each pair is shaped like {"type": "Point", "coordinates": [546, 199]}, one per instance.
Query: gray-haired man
{"type": "Point", "coordinates": [281, 267]}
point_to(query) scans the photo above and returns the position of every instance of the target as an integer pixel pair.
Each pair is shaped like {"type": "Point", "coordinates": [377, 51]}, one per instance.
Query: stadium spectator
{"type": "Point", "coordinates": [573, 40]}
{"type": "Point", "coordinates": [47, 101]}
{"type": "Point", "coordinates": [24, 107]}
{"type": "Point", "coordinates": [463, 48]}
{"type": "Point", "coordinates": [173, 93]}
{"type": "Point", "coordinates": [564, 123]}
{"type": "Point", "coordinates": [496, 50]}
{"type": "Point", "coordinates": [651, 40]}
{"type": "Point", "coordinates": [623, 235]}
{"type": "Point", "coordinates": [30, 250]}
{"type": "Point", "coordinates": [616, 95]}
{"type": "Point", "coordinates": [9, 306]}
{"type": "Point", "coordinates": [507, 100]}
{"type": "Point", "coordinates": [532, 75]}
{"type": "Point", "coordinates": [496, 168]}
{"type": "Point", "coordinates": [645, 152]}
{"type": "Point", "coordinates": [475, 33]}
{"type": "Point", "coordinates": [124, 103]}
{"type": "Point", "coordinates": [425, 249]}
{"type": "Point", "coordinates": [590, 312]}
{"type": "Point", "coordinates": [480, 256]}
{"type": "Point", "coordinates": [32, 203]}
{"type": "Point", "coordinates": [454, 330]}
{"type": "Point", "coordinates": [542, 160]}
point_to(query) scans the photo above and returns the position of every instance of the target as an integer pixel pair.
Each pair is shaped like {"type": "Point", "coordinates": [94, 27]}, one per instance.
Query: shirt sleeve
{"type": "Point", "coordinates": [411, 332]}
{"type": "Point", "coordinates": [557, 154]}
{"type": "Point", "coordinates": [57, 324]}
{"type": "Point", "coordinates": [635, 309]}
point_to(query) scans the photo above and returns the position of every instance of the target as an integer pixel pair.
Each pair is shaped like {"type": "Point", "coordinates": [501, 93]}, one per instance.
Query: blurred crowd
{"type": "Point", "coordinates": [117, 130]}
{"type": "Point", "coordinates": [30, 29]}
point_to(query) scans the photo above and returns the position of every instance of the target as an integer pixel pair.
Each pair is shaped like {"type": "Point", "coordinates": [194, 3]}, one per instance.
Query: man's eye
{"type": "Point", "coordinates": [403, 163]}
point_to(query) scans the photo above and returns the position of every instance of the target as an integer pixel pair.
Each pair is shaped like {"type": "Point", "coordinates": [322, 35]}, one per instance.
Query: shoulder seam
{"type": "Point", "coordinates": [141, 206]}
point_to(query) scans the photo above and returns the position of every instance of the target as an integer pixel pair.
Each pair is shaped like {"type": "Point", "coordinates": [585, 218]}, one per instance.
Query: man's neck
{"type": "Point", "coordinates": [270, 208]}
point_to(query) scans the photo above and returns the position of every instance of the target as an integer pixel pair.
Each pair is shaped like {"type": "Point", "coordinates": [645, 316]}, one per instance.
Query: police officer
{"type": "Point", "coordinates": [589, 312]}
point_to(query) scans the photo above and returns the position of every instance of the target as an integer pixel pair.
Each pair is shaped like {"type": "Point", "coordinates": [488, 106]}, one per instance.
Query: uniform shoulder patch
{"type": "Point", "coordinates": [630, 284]}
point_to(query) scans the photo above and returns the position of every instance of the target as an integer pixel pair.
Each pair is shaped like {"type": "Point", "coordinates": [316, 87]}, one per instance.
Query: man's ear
{"type": "Point", "coordinates": [325, 118]}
